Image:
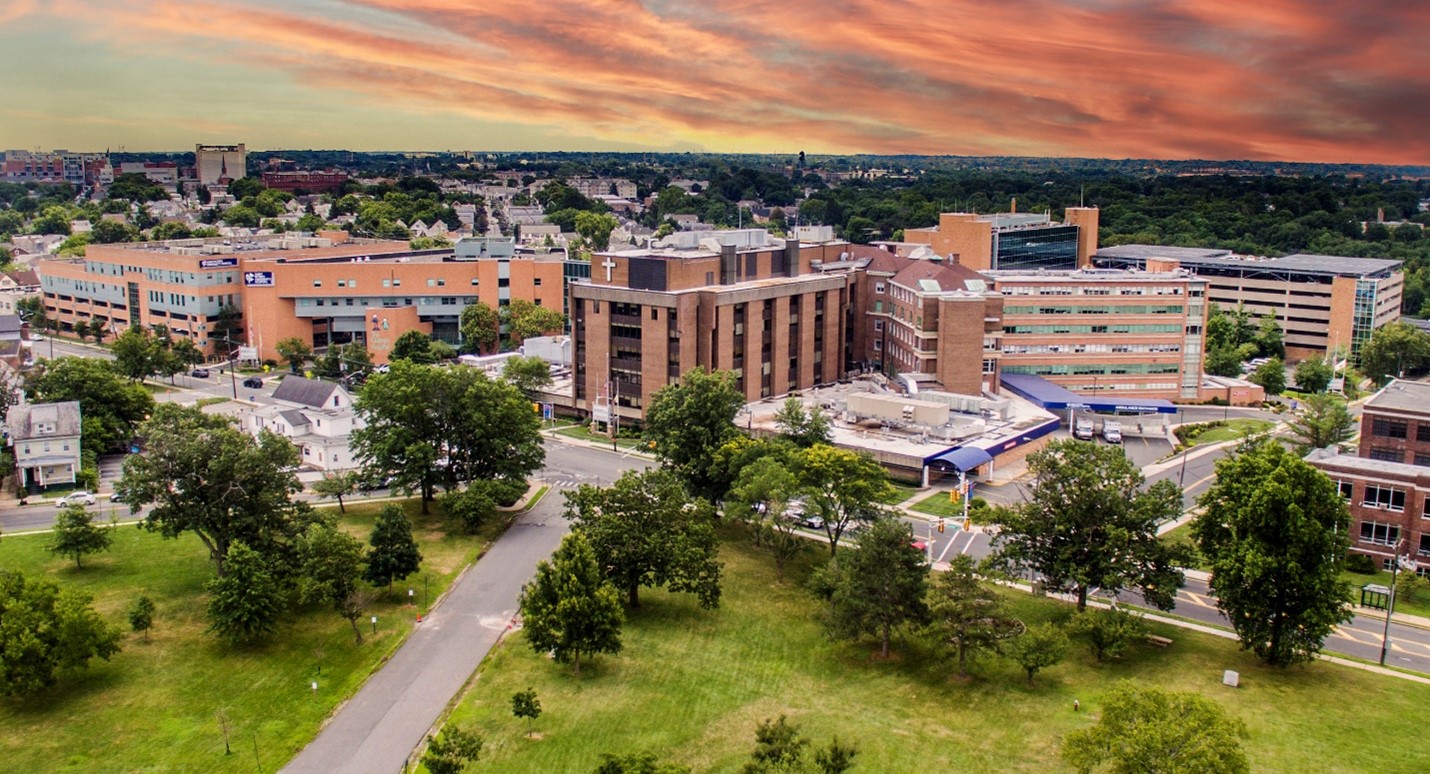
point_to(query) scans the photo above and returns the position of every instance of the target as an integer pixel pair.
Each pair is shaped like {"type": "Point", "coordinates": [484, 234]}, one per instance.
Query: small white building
{"type": "Point", "coordinates": [45, 437]}
{"type": "Point", "coordinates": [315, 416]}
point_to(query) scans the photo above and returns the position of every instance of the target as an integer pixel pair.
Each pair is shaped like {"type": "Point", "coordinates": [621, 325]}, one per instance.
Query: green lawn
{"type": "Point", "coordinates": [900, 493]}
{"type": "Point", "coordinates": [580, 431]}
{"type": "Point", "coordinates": [153, 707]}
{"type": "Point", "coordinates": [1232, 430]}
{"type": "Point", "coordinates": [1183, 536]}
{"type": "Point", "coordinates": [691, 685]}
{"type": "Point", "coordinates": [1417, 605]}
{"type": "Point", "coordinates": [938, 504]}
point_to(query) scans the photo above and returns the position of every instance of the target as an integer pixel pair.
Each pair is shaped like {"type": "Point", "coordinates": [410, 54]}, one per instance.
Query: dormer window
{"type": "Point", "coordinates": [46, 428]}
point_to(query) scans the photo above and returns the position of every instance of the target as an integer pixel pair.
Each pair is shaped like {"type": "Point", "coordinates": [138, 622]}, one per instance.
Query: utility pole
{"type": "Point", "coordinates": [232, 362]}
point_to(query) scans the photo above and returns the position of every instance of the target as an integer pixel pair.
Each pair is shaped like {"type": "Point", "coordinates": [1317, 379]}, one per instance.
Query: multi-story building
{"type": "Point", "coordinates": [305, 181]}
{"type": "Point", "coordinates": [1387, 484]}
{"type": "Point", "coordinates": [603, 186]}
{"type": "Point", "coordinates": [323, 293]}
{"type": "Point", "coordinates": [1105, 332]}
{"type": "Point", "coordinates": [1323, 303]}
{"type": "Point", "coordinates": [220, 164]}
{"type": "Point", "coordinates": [80, 169]}
{"type": "Point", "coordinates": [736, 300]}
{"type": "Point", "coordinates": [45, 437]}
{"type": "Point", "coordinates": [1012, 240]}
{"type": "Point", "coordinates": [161, 172]}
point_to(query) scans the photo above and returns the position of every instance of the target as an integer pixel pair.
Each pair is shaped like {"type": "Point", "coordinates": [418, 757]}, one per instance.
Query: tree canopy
{"type": "Point", "coordinates": [1323, 420]}
{"type": "Point", "coordinates": [1089, 523]}
{"type": "Point", "coordinates": [881, 586]}
{"type": "Point", "coordinates": [689, 421]}
{"type": "Point", "coordinates": [1150, 729]}
{"type": "Point", "coordinates": [1274, 533]}
{"type": "Point", "coordinates": [569, 609]}
{"type": "Point", "coordinates": [46, 631]}
{"type": "Point", "coordinates": [111, 408]}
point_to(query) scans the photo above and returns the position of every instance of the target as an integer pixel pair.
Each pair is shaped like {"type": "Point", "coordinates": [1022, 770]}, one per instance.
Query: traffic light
{"type": "Point", "coordinates": [940, 526]}
{"type": "Point", "coordinates": [955, 495]}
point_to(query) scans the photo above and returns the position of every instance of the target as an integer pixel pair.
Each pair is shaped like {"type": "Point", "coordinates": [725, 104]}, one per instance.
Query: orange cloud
{"type": "Point", "coordinates": [1337, 80]}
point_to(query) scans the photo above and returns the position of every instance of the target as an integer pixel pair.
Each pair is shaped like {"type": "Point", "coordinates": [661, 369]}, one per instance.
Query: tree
{"type": "Point", "coordinates": [295, 352]}
{"type": "Point", "coordinates": [1109, 631]}
{"type": "Point", "coordinates": [1223, 361]}
{"type": "Point", "coordinates": [524, 704]}
{"type": "Point", "coordinates": [111, 406]}
{"type": "Point", "coordinates": [1271, 375]}
{"type": "Point", "coordinates": [1038, 648]}
{"type": "Point", "coordinates": [244, 602]}
{"type": "Point", "coordinates": [525, 319]}
{"type": "Point", "coordinates": [332, 564]}
{"type": "Point", "coordinates": [1089, 523]}
{"type": "Point", "coordinates": [881, 586]}
{"type": "Point", "coordinates": [967, 614]}
{"type": "Point", "coordinates": [1269, 339]}
{"type": "Point", "coordinates": [569, 608]}
{"type": "Point", "coordinates": [528, 374]}
{"type": "Point", "coordinates": [760, 496]}
{"type": "Point", "coordinates": [452, 752]}
{"type": "Point", "coordinates": [76, 534]}
{"type": "Point", "coordinates": [596, 228]}
{"type": "Point", "coordinates": [779, 746]}
{"type": "Point", "coordinates": [803, 427]}
{"type": "Point", "coordinates": [141, 616]}
{"type": "Point", "coordinates": [1274, 533]}
{"type": "Point", "coordinates": [836, 758]}
{"type": "Point", "coordinates": [47, 631]}
{"type": "Point", "coordinates": [1313, 374]}
{"type": "Point", "coordinates": [426, 426]}
{"type": "Point", "coordinates": [472, 506]}
{"type": "Point", "coordinates": [481, 328]}
{"type": "Point", "coordinates": [844, 487]}
{"type": "Point", "coordinates": [393, 554]}
{"type": "Point", "coordinates": [688, 421]}
{"type": "Point", "coordinates": [1322, 421]}
{"type": "Point", "coordinates": [1150, 729]}
{"type": "Point", "coordinates": [204, 475]}
{"type": "Point", "coordinates": [1393, 350]}
{"type": "Point", "coordinates": [414, 346]}
{"type": "Point", "coordinates": [646, 530]}
{"type": "Point", "coordinates": [337, 484]}
{"type": "Point", "coordinates": [135, 353]}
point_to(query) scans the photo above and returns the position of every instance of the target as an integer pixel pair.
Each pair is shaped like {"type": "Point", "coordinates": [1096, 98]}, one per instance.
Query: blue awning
{"type": "Point", "coordinates": [964, 458]}
{"type": "Point", "coordinates": [1051, 396]}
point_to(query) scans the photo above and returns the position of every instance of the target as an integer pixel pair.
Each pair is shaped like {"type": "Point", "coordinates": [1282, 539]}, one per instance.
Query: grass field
{"type": "Point", "coordinates": [580, 431]}
{"type": "Point", "coordinates": [900, 493]}
{"type": "Point", "coordinates": [690, 687]}
{"type": "Point", "coordinates": [938, 504]}
{"type": "Point", "coordinates": [154, 706]}
{"type": "Point", "coordinates": [1232, 430]}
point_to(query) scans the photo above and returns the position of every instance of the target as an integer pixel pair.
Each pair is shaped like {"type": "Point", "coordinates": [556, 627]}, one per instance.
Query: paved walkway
{"type": "Point", "coordinates": [377, 730]}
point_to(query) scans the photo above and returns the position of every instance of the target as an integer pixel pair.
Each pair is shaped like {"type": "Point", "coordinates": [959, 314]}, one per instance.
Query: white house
{"type": "Point", "coordinates": [316, 416]}
{"type": "Point", "coordinates": [46, 443]}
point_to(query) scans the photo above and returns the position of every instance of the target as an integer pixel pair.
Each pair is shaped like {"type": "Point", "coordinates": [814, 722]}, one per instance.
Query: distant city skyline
{"type": "Point", "coordinates": [1340, 81]}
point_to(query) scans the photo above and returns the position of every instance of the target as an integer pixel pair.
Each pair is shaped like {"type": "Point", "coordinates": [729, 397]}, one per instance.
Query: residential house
{"type": "Point", "coordinates": [315, 416]}
{"type": "Point", "coordinates": [46, 442]}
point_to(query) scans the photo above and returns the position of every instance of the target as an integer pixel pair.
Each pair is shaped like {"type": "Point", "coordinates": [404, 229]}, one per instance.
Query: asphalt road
{"type": "Point", "coordinates": [378, 728]}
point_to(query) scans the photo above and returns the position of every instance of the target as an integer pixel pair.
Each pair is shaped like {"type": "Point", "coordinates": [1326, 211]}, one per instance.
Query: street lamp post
{"type": "Point", "coordinates": [232, 363]}
{"type": "Point", "coordinates": [1390, 611]}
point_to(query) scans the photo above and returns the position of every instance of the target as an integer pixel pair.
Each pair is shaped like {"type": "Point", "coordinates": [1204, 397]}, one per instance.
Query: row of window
{"type": "Point", "coordinates": [1067, 290]}
{"type": "Point", "coordinates": [1133, 309]}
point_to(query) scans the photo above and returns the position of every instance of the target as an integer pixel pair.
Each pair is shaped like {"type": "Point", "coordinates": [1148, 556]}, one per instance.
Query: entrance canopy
{"type": "Point", "coordinates": [1053, 397]}
{"type": "Point", "coordinates": [962, 459]}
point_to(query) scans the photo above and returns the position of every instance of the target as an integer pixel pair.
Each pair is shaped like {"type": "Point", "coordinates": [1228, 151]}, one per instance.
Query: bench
{"type": "Point", "coordinates": [1160, 642]}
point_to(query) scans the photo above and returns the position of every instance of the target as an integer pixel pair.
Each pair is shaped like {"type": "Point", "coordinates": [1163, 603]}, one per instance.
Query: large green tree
{"type": "Point", "coordinates": [203, 475]}
{"type": "Point", "coordinates": [844, 487]}
{"type": "Point", "coordinates": [760, 497]}
{"type": "Point", "coordinates": [1150, 729]}
{"type": "Point", "coordinates": [414, 346]}
{"type": "Point", "coordinates": [1313, 374]}
{"type": "Point", "coordinates": [332, 564]}
{"type": "Point", "coordinates": [245, 602]}
{"type": "Point", "coordinates": [111, 407]}
{"type": "Point", "coordinates": [393, 554]}
{"type": "Point", "coordinates": [689, 421]}
{"type": "Point", "coordinates": [427, 426]}
{"type": "Point", "coordinates": [295, 352]}
{"type": "Point", "coordinates": [46, 631]}
{"type": "Point", "coordinates": [646, 530]}
{"type": "Point", "coordinates": [525, 319]}
{"type": "Point", "coordinates": [1274, 533]}
{"type": "Point", "coordinates": [569, 609]}
{"type": "Point", "coordinates": [134, 353]}
{"type": "Point", "coordinates": [804, 427]}
{"type": "Point", "coordinates": [1271, 375]}
{"type": "Point", "coordinates": [1395, 350]}
{"type": "Point", "coordinates": [481, 328]}
{"type": "Point", "coordinates": [528, 374]}
{"type": "Point", "coordinates": [75, 534]}
{"type": "Point", "coordinates": [1322, 420]}
{"type": "Point", "coordinates": [966, 613]}
{"type": "Point", "coordinates": [1088, 523]}
{"type": "Point", "coordinates": [881, 586]}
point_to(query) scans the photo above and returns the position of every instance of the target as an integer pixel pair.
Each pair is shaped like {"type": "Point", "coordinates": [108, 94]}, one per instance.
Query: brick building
{"type": "Point", "coordinates": [305, 181]}
{"type": "Point", "coordinates": [1012, 240]}
{"type": "Point", "coordinates": [1387, 483]}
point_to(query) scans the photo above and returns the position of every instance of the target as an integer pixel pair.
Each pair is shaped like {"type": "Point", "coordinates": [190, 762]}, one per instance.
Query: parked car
{"type": "Point", "coordinates": [1083, 429]}
{"type": "Point", "coordinates": [114, 497]}
{"type": "Point", "coordinates": [199, 373]}
{"type": "Point", "coordinates": [78, 497]}
{"type": "Point", "coordinates": [1112, 431]}
{"type": "Point", "coordinates": [253, 381]}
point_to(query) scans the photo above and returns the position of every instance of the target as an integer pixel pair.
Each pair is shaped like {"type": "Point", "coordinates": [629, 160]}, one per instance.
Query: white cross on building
{"type": "Point", "coordinates": [609, 264]}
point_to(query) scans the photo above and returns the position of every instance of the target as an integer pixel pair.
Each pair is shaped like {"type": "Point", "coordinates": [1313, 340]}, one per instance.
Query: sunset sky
{"type": "Point", "coordinates": [1332, 81]}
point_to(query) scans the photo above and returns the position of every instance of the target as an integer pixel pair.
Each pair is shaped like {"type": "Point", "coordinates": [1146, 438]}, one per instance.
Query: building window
{"type": "Point", "coordinates": [1379, 533]}
{"type": "Point", "coordinates": [1386, 428]}
{"type": "Point", "coordinates": [342, 283]}
{"type": "Point", "coordinates": [1347, 489]}
{"type": "Point", "coordinates": [989, 366]}
{"type": "Point", "coordinates": [878, 346]}
{"type": "Point", "coordinates": [317, 283]}
{"type": "Point", "coordinates": [1384, 454]}
{"type": "Point", "coordinates": [1379, 496]}
{"type": "Point", "coordinates": [1422, 432]}
{"type": "Point", "coordinates": [1424, 549]}
{"type": "Point", "coordinates": [879, 287]}
{"type": "Point", "coordinates": [536, 282]}
{"type": "Point", "coordinates": [878, 326]}
{"type": "Point", "coordinates": [441, 283]}
{"type": "Point", "coordinates": [387, 283]}
{"type": "Point", "coordinates": [878, 307]}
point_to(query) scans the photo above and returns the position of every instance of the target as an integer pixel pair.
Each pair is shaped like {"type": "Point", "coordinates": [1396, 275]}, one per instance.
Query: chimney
{"type": "Point", "coordinates": [1013, 208]}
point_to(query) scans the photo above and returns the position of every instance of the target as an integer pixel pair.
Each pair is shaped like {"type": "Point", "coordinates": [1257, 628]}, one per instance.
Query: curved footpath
{"type": "Point", "coordinates": [378, 728]}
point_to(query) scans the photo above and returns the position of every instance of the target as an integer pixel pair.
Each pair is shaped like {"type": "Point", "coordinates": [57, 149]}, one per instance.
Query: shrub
{"type": "Point", "coordinates": [1360, 564]}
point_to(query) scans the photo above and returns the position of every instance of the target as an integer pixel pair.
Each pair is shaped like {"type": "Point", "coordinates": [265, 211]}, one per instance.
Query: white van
{"type": "Point", "coordinates": [1083, 429]}
{"type": "Point", "coordinates": [1112, 431]}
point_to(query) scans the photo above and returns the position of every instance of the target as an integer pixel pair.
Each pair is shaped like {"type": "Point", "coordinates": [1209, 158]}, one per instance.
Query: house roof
{"type": "Point", "coordinates": [10, 323]}
{"type": "Point", "coordinates": [1401, 395]}
{"type": "Point", "coordinates": [930, 277]}
{"type": "Point", "coordinates": [24, 278]}
{"type": "Point", "coordinates": [305, 392]}
{"type": "Point", "coordinates": [294, 417]}
{"type": "Point", "coordinates": [25, 418]}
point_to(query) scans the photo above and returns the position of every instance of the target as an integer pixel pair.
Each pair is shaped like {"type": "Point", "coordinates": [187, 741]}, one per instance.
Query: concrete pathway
{"type": "Point", "coordinates": [377, 730]}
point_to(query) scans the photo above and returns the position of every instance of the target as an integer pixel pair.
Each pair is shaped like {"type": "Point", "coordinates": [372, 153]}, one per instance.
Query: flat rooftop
{"type": "Point", "coordinates": [1299, 263]}
{"type": "Point", "coordinates": [1401, 395]}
